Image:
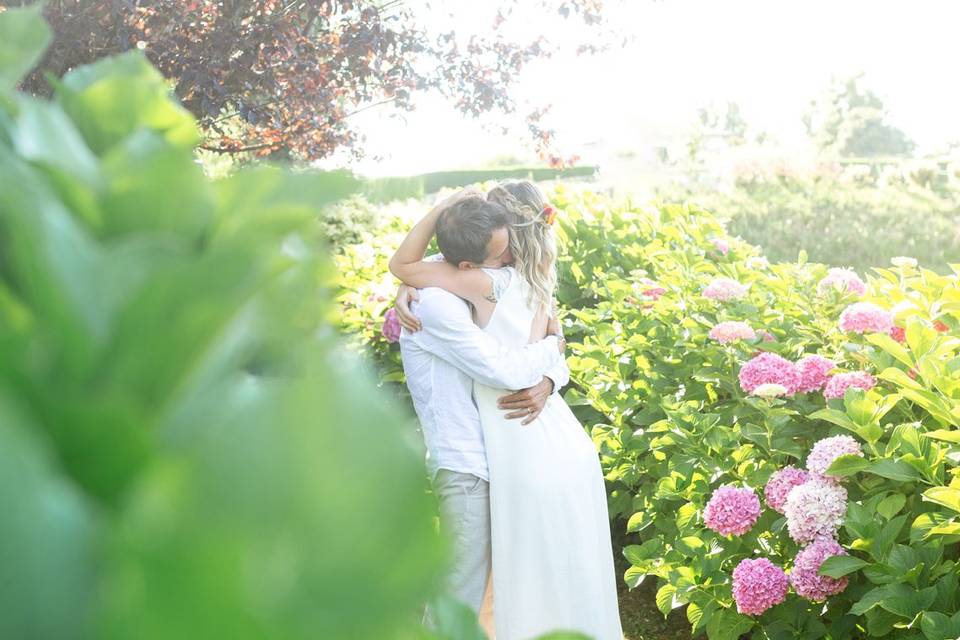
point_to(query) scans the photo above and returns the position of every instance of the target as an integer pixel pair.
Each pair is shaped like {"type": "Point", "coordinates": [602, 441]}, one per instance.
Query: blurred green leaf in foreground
{"type": "Point", "coordinates": [183, 453]}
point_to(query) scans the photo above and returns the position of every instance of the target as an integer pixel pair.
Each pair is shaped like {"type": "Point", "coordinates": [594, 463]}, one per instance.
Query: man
{"type": "Point", "coordinates": [443, 352]}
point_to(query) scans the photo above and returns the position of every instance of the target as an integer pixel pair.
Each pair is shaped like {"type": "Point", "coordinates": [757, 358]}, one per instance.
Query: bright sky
{"type": "Point", "coordinates": [770, 56]}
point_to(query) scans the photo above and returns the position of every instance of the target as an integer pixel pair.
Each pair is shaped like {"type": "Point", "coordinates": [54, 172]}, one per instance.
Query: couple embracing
{"type": "Point", "coordinates": [517, 476]}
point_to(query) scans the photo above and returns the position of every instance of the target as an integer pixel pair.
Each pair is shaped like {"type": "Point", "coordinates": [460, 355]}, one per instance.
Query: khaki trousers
{"type": "Point", "coordinates": [465, 518]}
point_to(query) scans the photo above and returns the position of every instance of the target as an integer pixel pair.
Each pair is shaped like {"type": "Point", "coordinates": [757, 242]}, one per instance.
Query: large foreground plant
{"type": "Point", "coordinates": [183, 451]}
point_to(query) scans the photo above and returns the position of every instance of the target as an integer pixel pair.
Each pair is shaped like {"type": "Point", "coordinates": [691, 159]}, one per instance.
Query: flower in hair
{"type": "Point", "coordinates": [549, 214]}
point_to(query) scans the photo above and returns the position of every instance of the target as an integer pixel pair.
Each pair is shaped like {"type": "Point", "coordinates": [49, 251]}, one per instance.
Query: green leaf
{"type": "Point", "coordinates": [839, 566]}
{"type": "Point", "coordinates": [725, 624]}
{"type": "Point", "coordinates": [945, 496]}
{"type": "Point", "coordinates": [898, 377]}
{"type": "Point", "coordinates": [44, 134]}
{"type": "Point", "coordinates": [945, 529]}
{"type": "Point", "coordinates": [113, 97]}
{"type": "Point", "coordinates": [634, 577]}
{"type": "Point", "coordinates": [906, 601]}
{"type": "Point", "coordinates": [453, 619]}
{"type": "Point", "coordinates": [859, 407]}
{"type": "Point", "coordinates": [891, 346]}
{"type": "Point", "coordinates": [47, 538]}
{"type": "Point", "coordinates": [947, 435]}
{"type": "Point", "coordinates": [664, 598]}
{"type": "Point", "coordinates": [888, 402]}
{"type": "Point", "coordinates": [920, 337]}
{"type": "Point", "coordinates": [903, 559]}
{"type": "Point", "coordinates": [922, 526]}
{"type": "Point", "coordinates": [847, 465]}
{"type": "Point", "coordinates": [906, 438]}
{"type": "Point", "coordinates": [893, 469]}
{"type": "Point", "coordinates": [891, 505]}
{"type": "Point", "coordinates": [869, 600]}
{"type": "Point", "coordinates": [24, 36]}
{"type": "Point", "coordinates": [836, 417]}
{"type": "Point", "coordinates": [685, 515]}
{"type": "Point", "coordinates": [689, 545]}
{"type": "Point", "coordinates": [638, 553]}
{"type": "Point", "coordinates": [153, 186]}
{"type": "Point", "coordinates": [694, 614]}
{"type": "Point", "coordinates": [638, 522]}
{"type": "Point", "coordinates": [938, 626]}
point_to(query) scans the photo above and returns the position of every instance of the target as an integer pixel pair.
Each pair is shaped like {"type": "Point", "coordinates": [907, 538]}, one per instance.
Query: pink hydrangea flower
{"type": "Point", "coordinates": [391, 326]}
{"type": "Point", "coordinates": [805, 577]}
{"type": "Point", "coordinates": [724, 289]}
{"type": "Point", "coordinates": [780, 484]}
{"type": "Point", "coordinates": [898, 334]}
{"type": "Point", "coordinates": [815, 509]}
{"type": "Point", "coordinates": [813, 370]}
{"type": "Point", "coordinates": [758, 584]}
{"type": "Point", "coordinates": [722, 246]}
{"type": "Point", "coordinates": [732, 510]}
{"type": "Point", "coordinates": [864, 317]}
{"type": "Point", "coordinates": [825, 451]}
{"type": "Point", "coordinates": [769, 368]}
{"type": "Point", "coordinates": [838, 384]}
{"type": "Point", "coordinates": [731, 331]}
{"type": "Point", "coordinates": [842, 280]}
{"type": "Point", "coordinates": [650, 288]}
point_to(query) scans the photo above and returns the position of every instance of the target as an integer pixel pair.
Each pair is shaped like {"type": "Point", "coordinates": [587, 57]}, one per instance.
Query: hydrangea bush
{"type": "Point", "coordinates": [687, 408]}
{"type": "Point", "coordinates": [854, 459]}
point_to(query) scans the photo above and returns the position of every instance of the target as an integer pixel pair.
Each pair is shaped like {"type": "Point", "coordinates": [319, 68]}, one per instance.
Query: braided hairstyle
{"type": "Point", "coordinates": [532, 241]}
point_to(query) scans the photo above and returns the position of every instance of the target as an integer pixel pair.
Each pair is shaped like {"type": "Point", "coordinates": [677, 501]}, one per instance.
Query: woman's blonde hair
{"type": "Point", "coordinates": [532, 242]}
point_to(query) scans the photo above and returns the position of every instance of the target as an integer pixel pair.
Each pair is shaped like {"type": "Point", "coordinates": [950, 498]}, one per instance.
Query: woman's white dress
{"type": "Point", "coordinates": [552, 555]}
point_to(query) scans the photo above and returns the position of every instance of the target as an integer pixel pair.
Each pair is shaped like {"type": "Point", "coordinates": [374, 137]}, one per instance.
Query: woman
{"type": "Point", "coordinates": [552, 556]}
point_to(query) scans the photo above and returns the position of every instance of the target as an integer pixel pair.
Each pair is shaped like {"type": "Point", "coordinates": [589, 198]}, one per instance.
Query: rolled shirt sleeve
{"type": "Point", "coordinates": [560, 374]}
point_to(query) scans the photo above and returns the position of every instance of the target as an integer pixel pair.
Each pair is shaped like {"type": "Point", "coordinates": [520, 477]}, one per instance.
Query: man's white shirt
{"type": "Point", "coordinates": [442, 360]}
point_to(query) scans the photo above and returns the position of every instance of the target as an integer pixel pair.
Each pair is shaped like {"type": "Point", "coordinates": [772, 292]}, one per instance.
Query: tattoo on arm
{"type": "Point", "coordinates": [491, 297]}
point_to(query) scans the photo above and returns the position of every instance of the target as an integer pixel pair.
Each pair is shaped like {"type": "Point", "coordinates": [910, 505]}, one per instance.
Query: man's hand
{"type": "Point", "coordinates": [527, 403]}
{"type": "Point", "coordinates": [406, 295]}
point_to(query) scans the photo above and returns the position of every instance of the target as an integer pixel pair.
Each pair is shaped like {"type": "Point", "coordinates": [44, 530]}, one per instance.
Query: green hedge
{"type": "Point", "coordinates": [856, 217]}
{"type": "Point", "coordinates": [386, 189]}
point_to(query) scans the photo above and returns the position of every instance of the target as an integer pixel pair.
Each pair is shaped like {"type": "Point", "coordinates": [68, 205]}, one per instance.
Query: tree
{"type": "Point", "coordinates": [849, 120]}
{"type": "Point", "coordinates": [285, 77]}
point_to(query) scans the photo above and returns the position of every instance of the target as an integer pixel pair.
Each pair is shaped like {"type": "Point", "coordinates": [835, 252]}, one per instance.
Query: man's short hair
{"type": "Point", "coordinates": [464, 230]}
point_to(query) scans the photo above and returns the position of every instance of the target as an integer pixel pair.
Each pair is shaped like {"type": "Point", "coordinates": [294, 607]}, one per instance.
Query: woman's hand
{"type": "Point", "coordinates": [554, 328]}
{"type": "Point", "coordinates": [466, 192]}
{"type": "Point", "coordinates": [405, 296]}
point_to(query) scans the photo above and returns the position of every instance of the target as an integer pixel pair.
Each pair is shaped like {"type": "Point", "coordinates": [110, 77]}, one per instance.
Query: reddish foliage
{"type": "Point", "coordinates": [285, 76]}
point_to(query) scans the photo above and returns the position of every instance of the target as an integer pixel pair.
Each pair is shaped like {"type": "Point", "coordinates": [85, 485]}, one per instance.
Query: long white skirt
{"type": "Point", "coordinates": [552, 556]}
